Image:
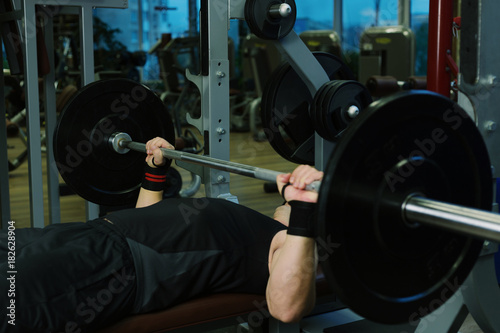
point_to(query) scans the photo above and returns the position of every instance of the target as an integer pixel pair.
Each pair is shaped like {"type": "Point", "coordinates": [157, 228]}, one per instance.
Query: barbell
{"type": "Point", "coordinates": [403, 206]}
{"type": "Point", "coordinates": [415, 209]}
{"type": "Point", "coordinates": [122, 143]}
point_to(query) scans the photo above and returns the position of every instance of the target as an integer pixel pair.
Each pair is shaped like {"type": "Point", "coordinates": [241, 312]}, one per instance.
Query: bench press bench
{"type": "Point", "coordinates": [209, 313]}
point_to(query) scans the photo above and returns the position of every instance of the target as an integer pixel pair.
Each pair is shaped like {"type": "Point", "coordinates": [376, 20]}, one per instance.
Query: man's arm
{"type": "Point", "coordinates": [148, 198]}
{"type": "Point", "coordinates": [154, 159]}
{"type": "Point", "coordinates": [291, 287]}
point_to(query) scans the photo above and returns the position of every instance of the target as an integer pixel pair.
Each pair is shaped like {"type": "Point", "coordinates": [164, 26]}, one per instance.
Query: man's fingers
{"type": "Point", "coordinates": [283, 179]}
{"type": "Point", "coordinates": [158, 143]}
{"type": "Point", "coordinates": [304, 175]}
{"type": "Point", "coordinates": [153, 151]}
{"type": "Point", "coordinates": [158, 156]}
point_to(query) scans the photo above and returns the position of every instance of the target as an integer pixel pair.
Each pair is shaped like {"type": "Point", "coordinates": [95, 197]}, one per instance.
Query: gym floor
{"type": "Point", "coordinates": [470, 326]}
{"type": "Point", "coordinates": [249, 191]}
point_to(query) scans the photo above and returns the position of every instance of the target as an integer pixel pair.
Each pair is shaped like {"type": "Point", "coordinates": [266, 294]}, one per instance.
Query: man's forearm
{"type": "Point", "coordinates": [291, 287]}
{"type": "Point", "coordinates": [148, 198]}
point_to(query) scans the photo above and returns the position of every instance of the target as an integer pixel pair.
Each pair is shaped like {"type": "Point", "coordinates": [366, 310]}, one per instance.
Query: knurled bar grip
{"type": "Point", "coordinates": [232, 167]}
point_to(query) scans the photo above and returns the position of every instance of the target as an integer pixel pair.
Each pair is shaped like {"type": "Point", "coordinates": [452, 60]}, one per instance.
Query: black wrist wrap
{"type": "Point", "coordinates": [302, 219]}
{"type": "Point", "coordinates": [154, 178]}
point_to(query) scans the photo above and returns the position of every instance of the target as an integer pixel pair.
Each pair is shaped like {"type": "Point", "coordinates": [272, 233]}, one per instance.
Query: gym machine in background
{"type": "Point", "coordinates": [387, 51]}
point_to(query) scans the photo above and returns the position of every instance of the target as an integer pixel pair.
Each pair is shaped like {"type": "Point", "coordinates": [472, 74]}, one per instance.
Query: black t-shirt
{"type": "Point", "coordinates": [184, 248]}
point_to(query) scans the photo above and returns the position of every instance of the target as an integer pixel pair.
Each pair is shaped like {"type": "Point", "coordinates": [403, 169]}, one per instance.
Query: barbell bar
{"type": "Point", "coordinates": [468, 221]}
{"type": "Point", "coordinates": [415, 209]}
{"type": "Point", "coordinates": [121, 142]}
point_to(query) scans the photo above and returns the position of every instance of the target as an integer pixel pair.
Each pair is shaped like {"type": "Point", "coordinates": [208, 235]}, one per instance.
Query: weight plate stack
{"type": "Point", "coordinates": [336, 104]}
{"type": "Point", "coordinates": [285, 107]}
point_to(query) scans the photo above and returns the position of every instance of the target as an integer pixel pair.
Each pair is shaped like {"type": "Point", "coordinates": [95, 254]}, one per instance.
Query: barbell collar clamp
{"type": "Point", "coordinates": [115, 142]}
{"type": "Point", "coordinates": [280, 11]}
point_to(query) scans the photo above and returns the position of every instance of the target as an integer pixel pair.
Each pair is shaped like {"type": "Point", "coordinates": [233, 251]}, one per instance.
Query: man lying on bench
{"type": "Point", "coordinates": [80, 277]}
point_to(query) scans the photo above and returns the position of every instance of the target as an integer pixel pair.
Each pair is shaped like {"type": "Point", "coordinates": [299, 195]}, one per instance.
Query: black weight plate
{"type": "Point", "coordinates": [86, 162]}
{"type": "Point", "coordinates": [321, 102]}
{"type": "Point", "coordinates": [264, 26]}
{"type": "Point", "coordinates": [285, 109]}
{"type": "Point", "coordinates": [266, 107]}
{"type": "Point", "coordinates": [329, 112]}
{"type": "Point", "coordinates": [413, 142]}
{"type": "Point", "coordinates": [276, 125]}
{"type": "Point", "coordinates": [344, 95]}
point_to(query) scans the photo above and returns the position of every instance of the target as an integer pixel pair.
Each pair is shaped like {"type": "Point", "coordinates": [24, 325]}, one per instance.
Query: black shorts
{"type": "Point", "coordinates": [72, 277]}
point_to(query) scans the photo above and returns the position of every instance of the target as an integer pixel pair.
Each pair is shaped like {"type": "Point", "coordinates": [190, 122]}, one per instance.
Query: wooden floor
{"type": "Point", "coordinates": [243, 150]}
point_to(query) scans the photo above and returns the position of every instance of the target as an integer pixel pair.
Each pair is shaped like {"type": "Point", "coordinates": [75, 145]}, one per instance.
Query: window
{"type": "Point", "coordinates": [158, 17]}
{"type": "Point", "coordinates": [420, 27]}
{"type": "Point", "coordinates": [172, 17]}
{"type": "Point", "coordinates": [314, 15]}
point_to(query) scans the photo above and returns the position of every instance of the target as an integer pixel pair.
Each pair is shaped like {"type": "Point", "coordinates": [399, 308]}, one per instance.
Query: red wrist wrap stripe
{"type": "Point", "coordinates": [155, 178]}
